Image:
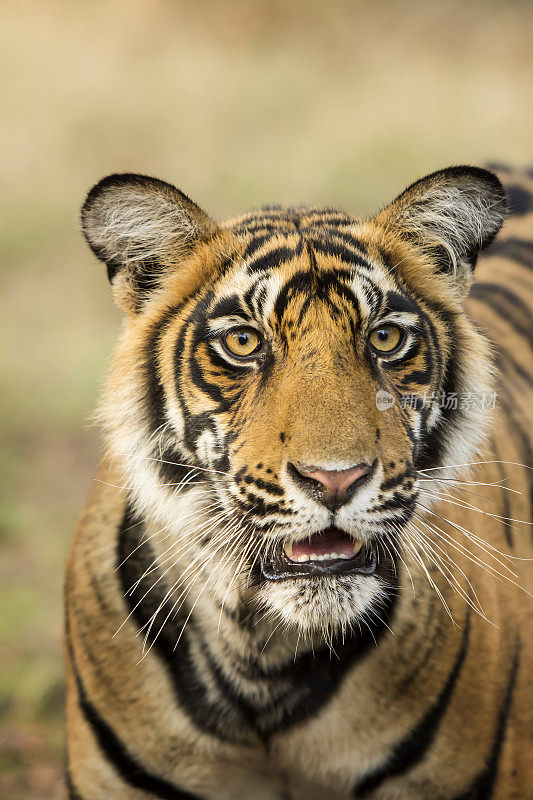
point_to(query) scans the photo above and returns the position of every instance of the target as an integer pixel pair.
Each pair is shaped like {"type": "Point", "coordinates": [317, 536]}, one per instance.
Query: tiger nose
{"type": "Point", "coordinates": [332, 487]}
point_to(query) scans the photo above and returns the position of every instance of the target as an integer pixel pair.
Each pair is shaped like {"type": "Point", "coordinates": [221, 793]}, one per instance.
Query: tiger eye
{"type": "Point", "coordinates": [241, 341]}
{"type": "Point", "coordinates": [386, 338]}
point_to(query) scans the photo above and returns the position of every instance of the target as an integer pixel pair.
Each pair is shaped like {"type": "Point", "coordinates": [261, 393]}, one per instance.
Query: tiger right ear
{"type": "Point", "coordinates": [452, 214]}
{"type": "Point", "coordinates": [141, 227]}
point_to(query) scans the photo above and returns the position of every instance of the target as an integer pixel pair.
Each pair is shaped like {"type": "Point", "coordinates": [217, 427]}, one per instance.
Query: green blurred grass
{"type": "Point", "coordinates": [239, 103]}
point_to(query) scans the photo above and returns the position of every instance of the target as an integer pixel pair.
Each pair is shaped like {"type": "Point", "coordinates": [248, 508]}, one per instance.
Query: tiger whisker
{"type": "Point", "coordinates": [488, 567]}
{"type": "Point", "coordinates": [396, 587]}
{"type": "Point", "coordinates": [200, 593]}
{"type": "Point", "coordinates": [498, 484]}
{"type": "Point", "coordinates": [246, 552]}
{"type": "Point", "coordinates": [154, 565]}
{"type": "Point", "coordinates": [398, 553]}
{"type": "Point", "coordinates": [188, 544]}
{"type": "Point", "coordinates": [431, 549]}
{"type": "Point", "coordinates": [462, 548]}
{"type": "Point", "coordinates": [277, 627]}
{"type": "Point", "coordinates": [481, 543]}
{"type": "Point", "coordinates": [145, 539]}
{"type": "Point", "coordinates": [476, 463]}
{"type": "Point", "coordinates": [446, 487]}
{"type": "Point", "coordinates": [420, 561]}
{"type": "Point", "coordinates": [175, 587]}
{"type": "Point", "coordinates": [187, 466]}
{"type": "Point", "coordinates": [465, 504]}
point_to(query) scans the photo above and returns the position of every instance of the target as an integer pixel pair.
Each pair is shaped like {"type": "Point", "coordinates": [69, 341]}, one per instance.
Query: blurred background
{"type": "Point", "coordinates": [239, 103]}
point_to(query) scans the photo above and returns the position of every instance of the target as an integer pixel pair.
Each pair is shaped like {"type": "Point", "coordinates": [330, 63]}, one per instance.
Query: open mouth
{"type": "Point", "coordinates": [328, 552]}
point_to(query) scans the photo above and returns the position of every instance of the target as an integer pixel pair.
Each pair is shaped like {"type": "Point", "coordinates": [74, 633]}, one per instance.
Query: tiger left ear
{"type": "Point", "coordinates": [451, 214]}
{"type": "Point", "coordinates": [141, 227]}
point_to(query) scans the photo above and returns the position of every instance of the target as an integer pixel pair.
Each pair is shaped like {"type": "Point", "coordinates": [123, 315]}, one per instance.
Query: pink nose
{"type": "Point", "coordinates": [336, 483]}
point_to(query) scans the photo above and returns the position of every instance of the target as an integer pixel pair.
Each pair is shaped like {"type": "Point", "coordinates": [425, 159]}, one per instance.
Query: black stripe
{"type": "Point", "coordinates": [418, 377]}
{"type": "Point", "coordinates": [396, 301]}
{"type": "Point", "coordinates": [255, 244]}
{"type": "Point", "coordinates": [155, 393]}
{"type": "Point", "coordinates": [434, 339]}
{"type": "Point", "coordinates": [325, 218]}
{"type": "Point", "coordinates": [114, 750]}
{"type": "Point", "coordinates": [433, 447]}
{"type": "Point", "coordinates": [414, 747]}
{"type": "Point", "coordinates": [274, 227]}
{"type": "Point", "coordinates": [256, 295]}
{"type": "Point", "coordinates": [524, 443]}
{"type": "Point", "coordinates": [171, 642]}
{"type": "Point", "coordinates": [327, 283]}
{"type": "Point", "coordinates": [227, 307]}
{"type": "Point", "coordinates": [505, 359]}
{"type": "Point", "coordinates": [498, 166]}
{"type": "Point", "coordinates": [254, 504]}
{"type": "Point", "coordinates": [194, 424]}
{"type": "Point", "coordinates": [72, 792]}
{"type": "Point", "coordinates": [483, 785]}
{"type": "Point", "coordinates": [395, 502]}
{"type": "Point", "coordinates": [197, 321]}
{"type": "Point", "coordinates": [396, 479]}
{"type": "Point", "coordinates": [299, 284]}
{"type": "Point", "coordinates": [272, 259]}
{"type": "Point", "coordinates": [374, 294]}
{"type": "Point", "coordinates": [506, 503]}
{"type": "Point", "coordinates": [507, 305]}
{"type": "Point", "coordinates": [300, 688]}
{"type": "Point", "coordinates": [263, 217]}
{"type": "Point", "coordinates": [516, 424]}
{"type": "Point", "coordinates": [155, 396]}
{"type": "Point", "coordinates": [315, 284]}
{"type": "Point", "coordinates": [520, 200]}
{"type": "Point", "coordinates": [327, 247]}
{"type": "Point", "coordinates": [174, 469]}
{"type": "Point", "coordinates": [515, 249]}
{"type": "Point", "coordinates": [350, 240]}
{"type": "Point", "coordinates": [427, 648]}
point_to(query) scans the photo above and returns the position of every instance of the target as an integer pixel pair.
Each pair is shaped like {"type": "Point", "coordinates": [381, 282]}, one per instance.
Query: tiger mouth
{"type": "Point", "coordinates": [328, 552]}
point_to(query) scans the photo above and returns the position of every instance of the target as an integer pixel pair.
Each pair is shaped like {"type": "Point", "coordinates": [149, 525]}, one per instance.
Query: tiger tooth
{"type": "Point", "coordinates": [288, 550]}
{"type": "Point", "coordinates": [303, 557]}
{"type": "Point", "coordinates": [356, 547]}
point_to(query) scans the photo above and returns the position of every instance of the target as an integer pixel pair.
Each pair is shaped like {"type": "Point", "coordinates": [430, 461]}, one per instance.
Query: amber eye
{"type": "Point", "coordinates": [386, 338]}
{"type": "Point", "coordinates": [241, 341]}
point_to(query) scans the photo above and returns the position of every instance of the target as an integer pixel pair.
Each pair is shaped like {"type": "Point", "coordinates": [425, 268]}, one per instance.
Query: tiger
{"type": "Point", "coordinates": [303, 569]}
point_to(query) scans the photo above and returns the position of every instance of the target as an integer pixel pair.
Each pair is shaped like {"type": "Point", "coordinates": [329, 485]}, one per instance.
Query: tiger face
{"type": "Point", "coordinates": [283, 380]}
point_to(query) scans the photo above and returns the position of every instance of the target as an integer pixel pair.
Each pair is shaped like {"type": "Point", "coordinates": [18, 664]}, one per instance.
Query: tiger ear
{"type": "Point", "coordinates": [140, 227]}
{"type": "Point", "coordinates": [452, 214]}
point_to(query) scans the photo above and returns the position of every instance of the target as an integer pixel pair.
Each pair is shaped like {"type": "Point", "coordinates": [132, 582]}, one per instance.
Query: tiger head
{"type": "Point", "coordinates": [284, 380]}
